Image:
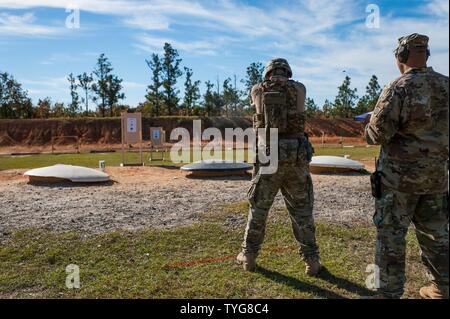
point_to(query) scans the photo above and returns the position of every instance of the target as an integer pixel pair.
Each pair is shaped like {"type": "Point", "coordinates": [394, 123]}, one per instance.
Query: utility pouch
{"type": "Point", "coordinates": [275, 112]}
{"type": "Point", "coordinates": [375, 181]}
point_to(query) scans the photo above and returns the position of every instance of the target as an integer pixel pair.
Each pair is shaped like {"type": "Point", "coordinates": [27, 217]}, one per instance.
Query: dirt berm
{"type": "Point", "coordinates": [107, 131]}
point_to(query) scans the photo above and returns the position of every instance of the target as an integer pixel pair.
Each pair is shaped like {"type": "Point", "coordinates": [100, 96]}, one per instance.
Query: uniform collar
{"type": "Point", "coordinates": [427, 69]}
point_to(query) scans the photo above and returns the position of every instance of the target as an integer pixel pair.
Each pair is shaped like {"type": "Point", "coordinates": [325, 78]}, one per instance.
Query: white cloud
{"type": "Point", "coordinates": [133, 85]}
{"type": "Point", "coordinates": [248, 27]}
{"type": "Point", "coordinates": [232, 15]}
{"type": "Point", "coordinates": [14, 25]}
{"type": "Point", "coordinates": [55, 58]}
{"type": "Point", "coordinates": [147, 15]}
{"type": "Point", "coordinates": [52, 87]}
{"type": "Point", "coordinates": [155, 44]}
{"type": "Point", "coordinates": [59, 86]}
{"type": "Point", "coordinates": [439, 8]}
{"type": "Point", "coordinates": [53, 83]}
{"type": "Point", "coordinates": [320, 37]}
{"type": "Point", "coordinates": [143, 22]}
{"type": "Point", "coordinates": [363, 52]}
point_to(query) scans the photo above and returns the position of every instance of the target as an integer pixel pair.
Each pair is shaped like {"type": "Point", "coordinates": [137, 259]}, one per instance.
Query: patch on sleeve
{"type": "Point", "coordinates": [387, 93]}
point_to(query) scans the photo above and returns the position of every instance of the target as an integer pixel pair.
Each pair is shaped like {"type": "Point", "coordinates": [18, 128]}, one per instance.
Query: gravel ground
{"type": "Point", "coordinates": [159, 198]}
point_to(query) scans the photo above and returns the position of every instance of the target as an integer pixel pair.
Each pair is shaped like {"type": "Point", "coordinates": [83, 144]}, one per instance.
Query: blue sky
{"type": "Point", "coordinates": [321, 39]}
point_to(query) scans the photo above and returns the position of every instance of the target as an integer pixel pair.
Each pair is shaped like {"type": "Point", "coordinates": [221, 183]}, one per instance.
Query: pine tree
{"type": "Point", "coordinates": [191, 91]}
{"type": "Point", "coordinates": [85, 83]}
{"type": "Point", "coordinates": [369, 100]}
{"type": "Point", "coordinates": [107, 86]}
{"type": "Point", "coordinates": [218, 100]}
{"type": "Point", "coordinates": [75, 100]}
{"type": "Point", "coordinates": [100, 88]}
{"type": "Point", "coordinates": [26, 108]}
{"type": "Point", "coordinates": [58, 110]}
{"type": "Point", "coordinates": [5, 109]}
{"type": "Point", "coordinates": [44, 108]}
{"type": "Point", "coordinates": [327, 109]}
{"type": "Point", "coordinates": [114, 94]}
{"type": "Point", "coordinates": [14, 101]}
{"type": "Point", "coordinates": [228, 99]}
{"type": "Point", "coordinates": [254, 76]}
{"type": "Point", "coordinates": [236, 97]}
{"type": "Point", "coordinates": [311, 108]}
{"type": "Point", "coordinates": [154, 96]}
{"type": "Point", "coordinates": [171, 72]}
{"type": "Point", "coordinates": [345, 100]}
{"type": "Point", "coordinates": [208, 99]}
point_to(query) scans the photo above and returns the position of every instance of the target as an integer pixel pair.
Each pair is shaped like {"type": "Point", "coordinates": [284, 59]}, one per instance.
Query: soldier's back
{"type": "Point", "coordinates": [425, 109]}
{"type": "Point", "coordinates": [417, 155]}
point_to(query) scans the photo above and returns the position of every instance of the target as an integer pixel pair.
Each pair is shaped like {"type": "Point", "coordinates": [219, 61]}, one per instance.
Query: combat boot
{"type": "Point", "coordinates": [313, 267]}
{"type": "Point", "coordinates": [248, 261]}
{"type": "Point", "coordinates": [434, 292]}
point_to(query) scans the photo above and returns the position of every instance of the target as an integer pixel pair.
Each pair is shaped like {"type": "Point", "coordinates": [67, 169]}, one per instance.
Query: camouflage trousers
{"type": "Point", "coordinates": [296, 187]}
{"type": "Point", "coordinates": [428, 214]}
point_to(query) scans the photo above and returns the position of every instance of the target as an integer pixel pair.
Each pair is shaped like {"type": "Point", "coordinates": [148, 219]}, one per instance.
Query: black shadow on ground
{"type": "Point", "coordinates": [344, 283]}
{"type": "Point", "coordinates": [247, 177]}
{"type": "Point", "coordinates": [71, 185]}
{"type": "Point", "coordinates": [362, 173]}
{"type": "Point", "coordinates": [321, 292]}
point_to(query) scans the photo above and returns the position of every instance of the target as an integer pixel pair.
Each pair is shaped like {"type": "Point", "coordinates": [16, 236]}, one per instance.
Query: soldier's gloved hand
{"type": "Point", "coordinates": [367, 120]}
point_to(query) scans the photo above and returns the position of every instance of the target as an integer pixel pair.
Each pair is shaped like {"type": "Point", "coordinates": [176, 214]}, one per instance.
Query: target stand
{"type": "Point", "coordinates": [131, 135]}
{"type": "Point", "coordinates": [157, 149]}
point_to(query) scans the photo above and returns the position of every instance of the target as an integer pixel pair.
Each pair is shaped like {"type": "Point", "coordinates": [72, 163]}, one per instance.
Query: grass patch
{"type": "Point", "coordinates": [190, 262]}
{"type": "Point", "coordinates": [84, 159]}
{"type": "Point", "coordinates": [356, 153]}
{"type": "Point", "coordinates": [114, 159]}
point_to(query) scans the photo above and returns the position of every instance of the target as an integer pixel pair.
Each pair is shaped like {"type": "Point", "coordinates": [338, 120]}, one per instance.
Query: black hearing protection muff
{"type": "Point", "coordinates": [402, 53]}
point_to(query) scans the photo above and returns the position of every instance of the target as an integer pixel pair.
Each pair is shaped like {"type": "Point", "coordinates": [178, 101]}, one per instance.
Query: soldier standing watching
{"type": "Point", "coordinates": [410, 122]}
{"type": "Point", "coordinates": [280, 104]}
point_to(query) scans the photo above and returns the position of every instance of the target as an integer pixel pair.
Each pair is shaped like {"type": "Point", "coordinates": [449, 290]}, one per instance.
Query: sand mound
{"type": "Point", "coordinates": [107, 131]}
{"type": "Point", "coordinates": [6, 140]}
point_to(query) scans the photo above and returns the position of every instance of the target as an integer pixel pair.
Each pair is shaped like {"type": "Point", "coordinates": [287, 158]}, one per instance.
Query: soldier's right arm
{"type": "Point", "coordinates": [385, 120]}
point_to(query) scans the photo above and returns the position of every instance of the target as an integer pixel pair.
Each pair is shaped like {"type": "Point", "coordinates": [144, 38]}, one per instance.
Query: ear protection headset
{"type": "Point", "coordinates": [279, 72]}
{"type": "Point", "coordinates": [403, 51]}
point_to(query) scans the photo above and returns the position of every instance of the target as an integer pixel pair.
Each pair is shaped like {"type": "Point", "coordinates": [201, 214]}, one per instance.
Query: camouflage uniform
{"type": "Point", "coordinates": [410, 122]}
{"type": "Point", "coordinates": [292, 178]}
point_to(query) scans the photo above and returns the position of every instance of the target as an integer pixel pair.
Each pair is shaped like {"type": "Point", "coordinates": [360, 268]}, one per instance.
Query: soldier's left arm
{"type": "Point", "coordinates": [385, 120]}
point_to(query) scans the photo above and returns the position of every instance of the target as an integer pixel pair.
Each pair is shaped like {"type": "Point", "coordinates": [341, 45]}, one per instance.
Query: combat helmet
{"type": "Point", "coordinates": [277, 63]}
{"type": "Point", "coordinates": [411, 42]}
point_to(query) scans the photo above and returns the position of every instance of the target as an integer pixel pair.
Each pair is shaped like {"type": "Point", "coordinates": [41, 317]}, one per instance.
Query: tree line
{"type": "Point", "coordinates": [219, 98]}
{"type": "Point", "coordinates": [103, 88]}
{"type": "Point", "coordinates": [347, 103]}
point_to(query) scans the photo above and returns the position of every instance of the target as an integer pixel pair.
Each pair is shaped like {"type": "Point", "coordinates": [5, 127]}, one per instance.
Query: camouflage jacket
{"type": "Point", "coordinates": [410, 122]}
{"type": "Point", "coordinates": [288, 116]}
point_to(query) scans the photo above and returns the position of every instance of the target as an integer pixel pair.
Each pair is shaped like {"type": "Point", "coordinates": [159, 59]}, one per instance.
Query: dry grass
{"type": "Point", "coordinates": [191, 262]}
